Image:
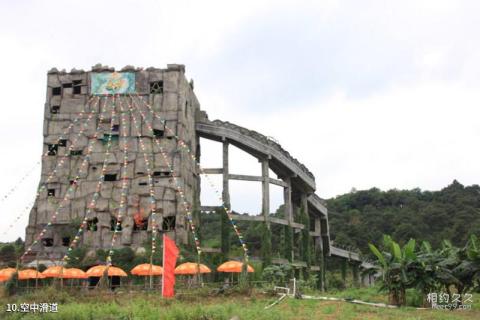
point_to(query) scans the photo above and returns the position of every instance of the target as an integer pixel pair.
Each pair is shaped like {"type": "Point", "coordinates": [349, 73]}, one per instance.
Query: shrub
{"type": "Point", "coordinates": [334, 281]}
{"type": "Point", "coordinates": [11, 285]}
{"type": "Point", "coordinates": [277, 274]}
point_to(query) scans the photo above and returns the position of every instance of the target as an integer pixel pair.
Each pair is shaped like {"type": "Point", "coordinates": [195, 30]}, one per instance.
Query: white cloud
{"type": "Point", "coordinates": [415, 135]}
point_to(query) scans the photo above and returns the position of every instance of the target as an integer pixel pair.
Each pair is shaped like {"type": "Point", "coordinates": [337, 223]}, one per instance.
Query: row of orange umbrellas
{"type": "Point", "coordinates": [52, 272]}
{"type": "Point", "coordinates": [189, 268]}
{"type": "Point", "coordinates": [145, 269]}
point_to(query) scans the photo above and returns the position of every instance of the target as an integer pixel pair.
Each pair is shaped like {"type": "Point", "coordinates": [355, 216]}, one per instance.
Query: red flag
{"type": "Point", "coordinates": [170, 255]}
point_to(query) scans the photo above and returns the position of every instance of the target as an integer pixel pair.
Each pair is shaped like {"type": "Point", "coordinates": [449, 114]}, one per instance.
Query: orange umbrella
{"type": "Point", "coordinates": [147, 269]}
{"type": "Point", "coordinates": [98, 271]}
{"type": "Point", "coordinates": [191, 268]}
{"type": "Point", "coordinates": [74, 273]}
{"type": "Point", "coordinates": [233, 266]}
{"type": "Point", "coordinates": [7, 273]}
{"type": "Point", "coordinates": [54, 272]}
{"type": "Point", "coordinates": [29, 274]}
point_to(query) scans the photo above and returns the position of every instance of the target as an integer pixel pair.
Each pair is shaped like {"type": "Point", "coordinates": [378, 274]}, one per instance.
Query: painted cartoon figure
{"type": "Point", "coordinates": [115, 82]}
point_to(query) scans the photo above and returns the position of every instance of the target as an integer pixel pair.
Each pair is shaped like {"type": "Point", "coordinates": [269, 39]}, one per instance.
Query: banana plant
{"type": "Point", "coordinates": [473, 254]}
{"type": "Point", "coordinates": [396, 265]}
{"type": "Point", "coordinates": [468, 269]}
{"type": "Point", "coordinates": [430, 275]}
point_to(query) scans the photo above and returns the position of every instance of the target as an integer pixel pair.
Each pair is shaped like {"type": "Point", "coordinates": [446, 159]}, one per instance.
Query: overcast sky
{"type": "Point", "coordinates": [364, 93]}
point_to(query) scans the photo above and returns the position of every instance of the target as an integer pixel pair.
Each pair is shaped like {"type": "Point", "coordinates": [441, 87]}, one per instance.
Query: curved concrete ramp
{"type": "Point", "coordinates": [258, 145]}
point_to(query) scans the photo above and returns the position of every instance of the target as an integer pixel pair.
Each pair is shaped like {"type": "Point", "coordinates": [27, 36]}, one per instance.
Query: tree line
{"type": "Point", "coordinates": [362, 217]}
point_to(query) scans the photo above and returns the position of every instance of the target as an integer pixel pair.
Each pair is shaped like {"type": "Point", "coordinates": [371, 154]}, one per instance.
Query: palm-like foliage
{"type": "Point", "coordinates": [430, 273]}
{"type": "Point", "coordinates": [395, 265]}
{"type": "Point", "coordinates": [467, 271]}
{"type": "Point", "coordinates": [426, 269]}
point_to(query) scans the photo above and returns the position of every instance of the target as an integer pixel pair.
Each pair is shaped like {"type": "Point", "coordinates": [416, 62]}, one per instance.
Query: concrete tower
{"type": "Point", "coordinates": [89, 115]}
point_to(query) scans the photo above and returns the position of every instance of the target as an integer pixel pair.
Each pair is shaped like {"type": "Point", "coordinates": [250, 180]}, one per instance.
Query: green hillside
{"type": "Point", "coordinates": [361, 217]}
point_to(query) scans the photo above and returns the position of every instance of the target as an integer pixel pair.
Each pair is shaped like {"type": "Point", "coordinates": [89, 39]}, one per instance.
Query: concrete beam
{"type": "Point", "coordinates": [279, 221]}
{"type": "Point", "coordinates": [278, 182]}
{"type": "Point", "coordinates": [210, 208]}
{"type": "Point", "coordinates": [213, 170]}
{"type": "Point", "coordinates": [344, 253]}
{"type": "Point", "coordinates": [244, 177]}
{"type": "Point", "coordinates": [247, 218]}
{"type": "Point", "coordinates": [297, 225]}
{"type": "Point", "coordinates": [271, 220]}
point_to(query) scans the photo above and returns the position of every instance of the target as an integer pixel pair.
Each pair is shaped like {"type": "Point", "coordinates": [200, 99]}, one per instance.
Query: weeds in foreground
{"type": "Point", "coordinates": [199, 304]}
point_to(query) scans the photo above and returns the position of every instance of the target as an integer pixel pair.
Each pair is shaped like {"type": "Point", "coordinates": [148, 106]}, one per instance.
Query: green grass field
{"type": "Point", "coordinates": [200, 305]}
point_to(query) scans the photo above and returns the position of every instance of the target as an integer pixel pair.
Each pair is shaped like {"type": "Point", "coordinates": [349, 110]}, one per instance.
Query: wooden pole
{"type": "Point", "coordinates": [151, 271]}
{"type": "Point", "coordinates": [16, 271]}
{"type": "Point", "coordinates": [198, 276]}
{"type": "Point", "coordinates": [36, 274]}
{"type": "Point", "coordinates": [61, 277]}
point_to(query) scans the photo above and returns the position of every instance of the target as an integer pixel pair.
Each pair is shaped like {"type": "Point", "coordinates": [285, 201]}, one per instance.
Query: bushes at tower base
{"type": "Point", "coordinates": [278, 274]}
{"type": "Point", "coordinates": [11, 285]}
{"type": "Point", "coordinates": [7, 254]}
{"type": "Point", "coordinates": [124, 258]}
{"type": "Point", "coordinates": [10, 252]}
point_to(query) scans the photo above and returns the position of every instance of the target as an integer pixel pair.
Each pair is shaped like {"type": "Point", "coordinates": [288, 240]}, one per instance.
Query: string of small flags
{"type": "Point", "coordinates": [148, 165]}
{"type": "Point", "coordinates": [175, 180]}
{"type": "Point", "coordinates": [192, 155]}
{"type": "Point", "coordinates": [58, 166]}
{"type": "Point", "coordinates": [96, 195]}
{"type": "Point", "coordinates": [123, 195]}
{"type": "Point", "coordinates": [70, 190]}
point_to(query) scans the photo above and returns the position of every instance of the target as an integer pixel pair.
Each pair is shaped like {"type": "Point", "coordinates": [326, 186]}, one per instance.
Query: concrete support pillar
{"type": "Point", "coordinates": [287, 199]}
{"type": "Point", "coordinates": [226, 191]}
{"type": "Point", "coordinates": [318, 244]}
{"type": "Point", "coordinates": [323, 268]}
{"type": "Point", "coordinates": [320, 261]}
{"type": "Point", "coordinates": [356, 275]}
{"type": "Point", "coordinates": [365, 280]}
{"type": "Point", "coordinates": [318, 225]}
{"type": "Point", "coordinates": [304, 201]}
{"type": "Point", "coordinates": [344, 272]}
{"type": "Point", "coordinates": [265, 192]}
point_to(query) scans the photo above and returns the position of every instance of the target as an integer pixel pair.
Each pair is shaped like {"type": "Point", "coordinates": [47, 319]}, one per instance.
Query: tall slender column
{"type": "Point", "coordinates": [319, 258]}
{"type": "Point", "coordinates": [318, 225]}
{"type": "Point", "coordinates": [225, 192]}
{"type": "Point", "coordinates": [287, 200]}
{"type": "Point", "coordinates": [265, 191]}
{"type": "Point", "coordinates": [304, 202]}
{"type": "Point", "coordinates": [355, 274]}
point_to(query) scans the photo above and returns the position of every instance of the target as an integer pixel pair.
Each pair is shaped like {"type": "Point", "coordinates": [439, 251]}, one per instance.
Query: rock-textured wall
{"type": "Point", "coordinates": [69, 94]}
